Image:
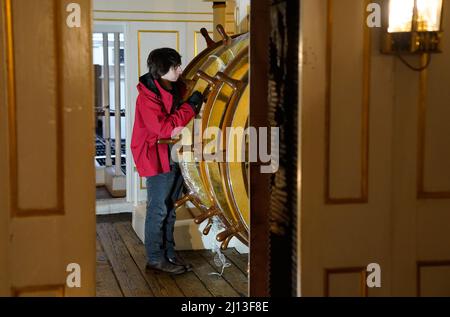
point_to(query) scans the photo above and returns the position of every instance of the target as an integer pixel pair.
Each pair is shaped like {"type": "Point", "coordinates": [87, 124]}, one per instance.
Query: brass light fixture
{"type": "Point", "coordinates": [412, 27]}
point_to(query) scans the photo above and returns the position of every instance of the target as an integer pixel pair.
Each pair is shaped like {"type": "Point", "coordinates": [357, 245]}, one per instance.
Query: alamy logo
{"type": "Point", "coordinates": [74, 278]}
{"type": "Point", "coordinates": [74, 18]}
{"type": "Point", "coordinates": [374, 18]}
{"type": "Point", "coordinates": [374, 277]}
{"type": "Point", "coordinates": [233, 145]}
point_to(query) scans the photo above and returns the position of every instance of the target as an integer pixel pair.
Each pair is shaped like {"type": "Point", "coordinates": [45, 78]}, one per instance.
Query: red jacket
{"type": "Point", "coordinates": [154, 121]}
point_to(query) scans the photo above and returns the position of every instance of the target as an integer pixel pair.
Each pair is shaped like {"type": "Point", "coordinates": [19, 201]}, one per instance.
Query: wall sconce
{"type": "Point", "coordinates": [412, 27]}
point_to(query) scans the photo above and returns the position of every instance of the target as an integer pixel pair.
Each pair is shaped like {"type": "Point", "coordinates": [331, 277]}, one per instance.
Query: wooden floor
{"type": "Point", "coordinates": [121, 264]}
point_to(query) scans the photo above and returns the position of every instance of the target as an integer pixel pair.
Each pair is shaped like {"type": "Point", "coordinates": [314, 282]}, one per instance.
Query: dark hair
{"type": "Point", "coordinates": [161, 60]}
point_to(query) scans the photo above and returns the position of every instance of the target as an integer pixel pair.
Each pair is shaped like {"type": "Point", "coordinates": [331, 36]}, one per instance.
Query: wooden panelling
{"type": "Point", "coordinates": [40, 291]}
{"type": "Point", "coordinates": [347, 105]}
{"type": "Point", "coordinates": [349, 281]}
{"type": "Point", "coordinates": [156, 39]}
{"type": "Point", "coordinates": [433, 278]}
{"type": "Point", "coordinates": [199, 42]}
{"type": "Point", "coordinates": [433, 154]}
{"type": "Point", "coordinates": [35, 118]}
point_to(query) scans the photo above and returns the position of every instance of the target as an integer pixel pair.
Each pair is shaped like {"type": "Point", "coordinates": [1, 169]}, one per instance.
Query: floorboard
{"type": "Point", "coordinates": [161, 284]}
{"type": "Point", "coordinates": [107, 285]}
{"type": "Point", "coordinates": [121, 260]}
{"type": "Point", "coordinates": [127, 273]}
{"type": "Point", "coordinates": [232, 274]}
{"type": "Point", "coordinates": [215, 284]}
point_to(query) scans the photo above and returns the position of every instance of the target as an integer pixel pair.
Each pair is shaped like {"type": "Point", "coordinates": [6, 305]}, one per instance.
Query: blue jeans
{"type": "Point", "coordinates": [163, 191]}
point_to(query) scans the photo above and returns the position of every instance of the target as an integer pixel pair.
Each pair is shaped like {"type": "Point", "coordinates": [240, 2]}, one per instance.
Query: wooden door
{"type": "Point", "coordinates": [47, 188]}
{"type": "Point", "coordinates": [375, 178]}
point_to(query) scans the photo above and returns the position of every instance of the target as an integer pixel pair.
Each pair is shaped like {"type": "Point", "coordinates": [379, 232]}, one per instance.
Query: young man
{"type": "Point", "coordinates": [159, 111]}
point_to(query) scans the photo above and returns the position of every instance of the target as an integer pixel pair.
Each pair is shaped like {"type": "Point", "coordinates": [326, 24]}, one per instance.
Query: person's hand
{"type": "Point", "coordinates": [196, 101]}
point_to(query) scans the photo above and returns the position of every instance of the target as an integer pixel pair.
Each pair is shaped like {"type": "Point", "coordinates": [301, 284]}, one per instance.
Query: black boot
{"type": "Point", "coordinates": [176, 260]}
{"type": "Point", "coordinates": [165, 266]}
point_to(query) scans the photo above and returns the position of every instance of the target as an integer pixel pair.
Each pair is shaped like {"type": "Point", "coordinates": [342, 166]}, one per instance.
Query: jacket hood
{"type": "Point", "coordinates": [147, 87]}
{"type": "Point", "coordinates": [148, 82]}
{"type": "Point", "coordinates": [153, 91]}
